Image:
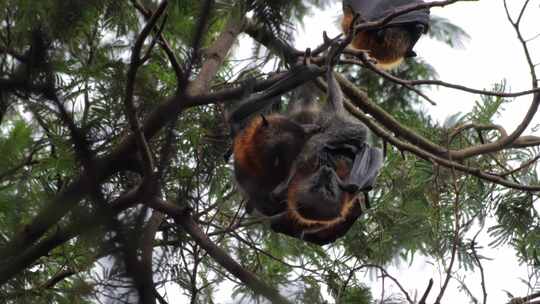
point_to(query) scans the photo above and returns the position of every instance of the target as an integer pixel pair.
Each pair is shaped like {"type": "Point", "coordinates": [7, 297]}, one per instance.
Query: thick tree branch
{"type": "Point", "coordinates": [59, 277]}
{"type": "Point", "coordinates": [403, 146]}
{"type": "Point", "coordinates": [215, 56]}
{"type": "Point", "coordinates": [362, 100]}
{"type": "Point", "coordinates": [526, 300]}
{"type": "Point", "coordinates": [505, 142]}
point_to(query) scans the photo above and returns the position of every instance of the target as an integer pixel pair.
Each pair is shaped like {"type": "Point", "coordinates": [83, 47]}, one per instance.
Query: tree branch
{"type": "Point", "coordinates": [432, 157]}
{"type": "Point", "coordinates": [162, 41]}
{"type": "Point", "coordinates": [184, 219]}
{"type": "Point", "coordinates": [426, 292]}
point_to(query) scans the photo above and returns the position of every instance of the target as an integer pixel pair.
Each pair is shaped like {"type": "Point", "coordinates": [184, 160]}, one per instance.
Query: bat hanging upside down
{"type": "Point", "coordinates": [392, 42]}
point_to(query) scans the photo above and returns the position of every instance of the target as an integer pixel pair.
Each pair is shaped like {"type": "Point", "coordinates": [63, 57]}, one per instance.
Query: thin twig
{"type": "Point", "coordinates": [366, 62]}
{"type": "Point", "coordinates": [29, 161]}
{"type": "Point", "coordinates": [154, 40]}
{"type": "Point", "coordinates": [358, 53]}
{"type": "Point", "coordinates": [515, 25]}
{"type": "Point", "coordinates": [162, 41]}
{"type": "Point", "coordinates": [426, 292]}
{"type": "Point", "coordinates": [131, 112]}
{"type": "Point", "coordinates": [522, 12]}
{"type": "Point", "coordinates": [455, 243]}
{"type": "Point", "coordinates": [523, 166]}
{"type": "Point", "coordinates": [479, 263]}
{"type": "Point", "coordinates": [398, 284]}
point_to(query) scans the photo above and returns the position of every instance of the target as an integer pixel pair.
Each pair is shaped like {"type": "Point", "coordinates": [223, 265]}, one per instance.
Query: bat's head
{"type": "Point", "coordinates": [268, 146]}
{"type": "Point", "coordinates": [318, 196]}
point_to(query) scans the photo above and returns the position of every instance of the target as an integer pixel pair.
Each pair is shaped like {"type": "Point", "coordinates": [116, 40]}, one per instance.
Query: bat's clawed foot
{"type": "Point", "coordinates": [307, 57]}
{"type": "Point", "coordinates": [335, 47]}
{"type": "Point", "coordinates": [365, 55]}
{"type": "Point", "coordinates": [350, 188]}
{"type": "Point", "coordinates": [330, 41]}
{"type": "Point", "coordinates": [334, 53]}
{"type": "Point", "coordinates": [279, 194]}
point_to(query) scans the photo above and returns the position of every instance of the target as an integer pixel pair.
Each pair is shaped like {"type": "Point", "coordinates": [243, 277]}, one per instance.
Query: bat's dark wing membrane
{"type": "Point", "coordinates": [366, 167]}
{"type": "Point", "coordinates": [371, 10]}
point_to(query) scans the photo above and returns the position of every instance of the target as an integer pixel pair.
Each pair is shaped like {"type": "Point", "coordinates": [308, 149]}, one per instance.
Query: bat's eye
{"type": "Point", "coordinates": [379, 36]}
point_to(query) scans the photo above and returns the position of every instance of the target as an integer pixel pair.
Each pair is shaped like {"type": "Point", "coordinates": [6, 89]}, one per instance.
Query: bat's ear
{"type": "Point", "coordinates": [421, 28]}
{"type": "Point", "coordinates": [265, 121]}
{"type": "Point", "coordinates": [410, 54]}
{"type": "Point", "coordinates": [379, 35]}
{"type": "Point", "coordinates": [347, 9]}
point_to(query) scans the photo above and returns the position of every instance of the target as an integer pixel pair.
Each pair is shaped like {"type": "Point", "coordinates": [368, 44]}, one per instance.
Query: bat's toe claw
{"type": "Point", "coordinates": [307, 56]}
{"type": "Point", "coordinates": [351, 188]}
{"type": "Point", "coordinates": [368, 57]}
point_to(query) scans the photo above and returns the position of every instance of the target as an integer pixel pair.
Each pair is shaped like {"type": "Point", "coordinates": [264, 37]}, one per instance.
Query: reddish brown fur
{"type": "Point", "coordinates": [307, 225]}
{"type": "Point", "coordinates": [248, 156]}
{"type": "Point", "coordinates": [245, 151]}
{"type": "Point", "coordinates": [263, 156]}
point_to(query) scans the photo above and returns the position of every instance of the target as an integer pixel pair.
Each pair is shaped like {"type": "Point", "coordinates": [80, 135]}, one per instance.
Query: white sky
{"type": "Point", "coordinates": [491, 55]}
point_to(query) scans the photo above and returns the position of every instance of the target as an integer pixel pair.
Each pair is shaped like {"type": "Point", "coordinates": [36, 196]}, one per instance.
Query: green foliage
{"type": "Point", "coordinates": [88, 44]}
{"type": "Point", "coordinates": [357, 296]}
